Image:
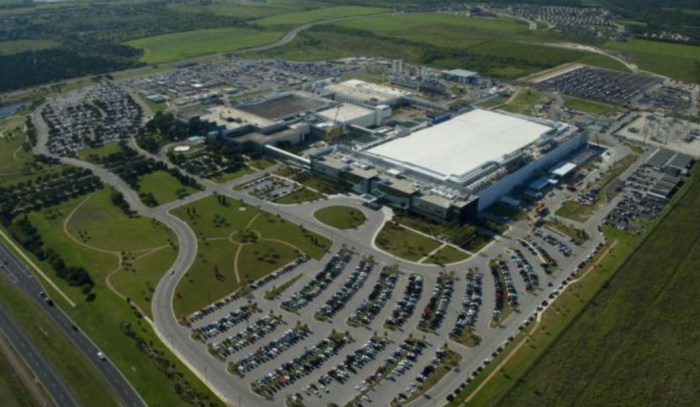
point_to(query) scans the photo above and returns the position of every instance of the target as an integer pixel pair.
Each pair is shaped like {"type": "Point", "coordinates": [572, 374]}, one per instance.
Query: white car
{"type": "Point", "coordinates": [101, 356]}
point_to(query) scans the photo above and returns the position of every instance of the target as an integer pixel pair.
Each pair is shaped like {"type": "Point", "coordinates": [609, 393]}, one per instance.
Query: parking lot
{"type": "Point", "coordinates": [270, 188]}
{"type": "Point", "coordinates": [601, 84]}
{"type": "Point", "coordinates": [90, 117]}
{"type": "Point", "coordinates": [355, 331]}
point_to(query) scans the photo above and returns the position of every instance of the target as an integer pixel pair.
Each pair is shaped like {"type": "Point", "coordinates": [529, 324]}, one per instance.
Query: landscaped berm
{"type": "Point", "coordinates": [238, 244]}
{"type": "Point", "coordinates": [341, 217]}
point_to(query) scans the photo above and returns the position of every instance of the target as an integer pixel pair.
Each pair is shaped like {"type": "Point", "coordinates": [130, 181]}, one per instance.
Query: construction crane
{"type": "Point", "coordinates": [331, 133]}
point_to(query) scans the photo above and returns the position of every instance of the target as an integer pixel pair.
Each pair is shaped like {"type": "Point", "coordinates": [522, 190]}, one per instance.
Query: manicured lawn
{"type": "Point", "coordinates": [99, 223]}
{"type": "Point", "coordinates": [590, 106]}
{"type": "Point", "coordinates": [95, 155]}
{"type": "Point", "coordinates": [13, 47]}
{"type": "Point", "coordinates": [405, 243]}
{"type": "Point", "coordinates": [230, 176]}
{"type": "Point", "coordinates": [299, 196]}
{"type": "Point", "coordinates": [164, 187]}
{"type": "Point", "coordinates": [643, 310]}
{"type": "Point", "coordinates": [172, 47]}
{"type": "Point", "coordinates": [260, 259]}
{"type": "Point", "coordinates": [341, 217]}
{"type": "Point", "coordinates": [303, 17]}
{"type": "Point", "coordinates": [224, 262]}
{"type": "Point", "coordinates": [447, 255]}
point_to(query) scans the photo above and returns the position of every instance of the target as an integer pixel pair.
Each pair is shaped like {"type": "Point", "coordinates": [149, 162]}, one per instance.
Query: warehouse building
{"type": "Point", "coordinates": [278, 119]}
{"type": "Point", "coordinates": [456, 168]}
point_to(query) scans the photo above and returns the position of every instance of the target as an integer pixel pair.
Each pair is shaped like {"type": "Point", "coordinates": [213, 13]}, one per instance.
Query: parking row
{"type": "Point", "coordinates": [436, 309]}
{"type": "Point", "coordinates": [270, 351]}
{"type": "Point", "coordinates": [562, 247]}
{"type": "Point", "coordinates": [471, 304]}
{"type": "Point", "coordinates": [249, 336]}
{"type": "Point", "coordinates": [320, 283]}
{"type": "Point", "coordinates": [350, 287]}
{"type": "Point", "coordinates": [310, 360]}
{"type": "Point", "coordinates": [376, 300]}
{"type": "Point", "coordinates": [527, 272]}
{"type": "Point", "coordinates": [406, 306]}
{"type": "Point", "coordinates": [225, 323]}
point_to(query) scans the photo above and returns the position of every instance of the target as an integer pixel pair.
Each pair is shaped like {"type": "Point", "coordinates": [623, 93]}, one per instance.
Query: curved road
{"type": "Point", "coordinates": [212, 373]}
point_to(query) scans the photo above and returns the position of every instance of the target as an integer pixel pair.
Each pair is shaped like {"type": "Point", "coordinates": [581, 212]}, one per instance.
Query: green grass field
{"type": "Point", "coordinates": [304, 17]}
{"type": "Point", "coordinates": [239, 244]}
{"type": "Point", "coordinates": [78, 373]}
{"type": "Point", "coordinates": [164, 187]}
{"type": "Point", "coordinates": [94, 155]}
{"type": "Point", "coordinates": [13, 47]}
{"type": "Point", "coordinates": [405, 243]}
{"type": "Point", "coordinates": [675, 60]}
{"type": "Point", "coordinates": [340, 217]}
{"type": "Point", "coordinates": [525, 101]}
{"type": "Point", "coordinates": [108, 316]}
{"type": "Point", "coordinates": [13, 392]}
{"type": "Point", "coordinates": [644, 311]}
{"type": "Point", "coordinates": [230, 176]}
{"type": "Point", "coordinates": [447, 255]}
{"type": "Point", "coordinates": [14, 159]}
{"type": "Point", "coordinates": [590, 106]}
{"type": "Point", "coordinates": [172, 47]}
{"type": "Point", "coordinates": [299, 196]}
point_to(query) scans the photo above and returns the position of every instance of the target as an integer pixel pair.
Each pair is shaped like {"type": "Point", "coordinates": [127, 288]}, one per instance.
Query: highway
{"type": "Point", "coordinates": [42, 370]}
{"type": "Point", "coordinates": [16, 272]}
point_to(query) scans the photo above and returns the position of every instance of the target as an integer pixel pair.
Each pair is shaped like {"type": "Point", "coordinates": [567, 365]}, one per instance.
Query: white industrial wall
{"type": "Point", "coordinates": [493, 193]}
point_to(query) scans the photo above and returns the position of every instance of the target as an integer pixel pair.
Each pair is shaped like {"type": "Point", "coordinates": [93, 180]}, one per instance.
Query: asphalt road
{"type": "Point", "coordinates": [213, 373]}
{"type": "Point", "coordinates": [17, 273]}
{"type": "Point", "coordinates": [42, 370]}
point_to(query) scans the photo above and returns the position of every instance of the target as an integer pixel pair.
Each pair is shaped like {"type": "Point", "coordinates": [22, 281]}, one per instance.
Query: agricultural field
{"type": "Point", "coordinates": [405, 243]}
{"type": "Point", "coordinates": [340, 217]}
{"type": "Point", "coordinates": [308, 16]}
{"type": "Point", "coordinates": [13, 47]}
{"type": "Point", "coordinates": [590, 106]}
{"type": "Point", "coordinates": [238, 244]}
{"type": "Point", "coordinates": [653, 282]}
{"type": "Point", "coordinates": [176, 46]}
{"type": "Point", "coordinates": [677, 61]}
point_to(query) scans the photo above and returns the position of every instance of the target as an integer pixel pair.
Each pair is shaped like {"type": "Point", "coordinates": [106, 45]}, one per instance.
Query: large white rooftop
{"type": "Point", "coordinates": [366, 90]}
{"type": "Point", "coordinates": [461, 145]}
{"type": "Point", "coordinates": [345, 112]}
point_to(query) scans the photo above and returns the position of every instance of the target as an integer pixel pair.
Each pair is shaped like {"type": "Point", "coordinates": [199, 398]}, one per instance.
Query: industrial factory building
{"type": "Point", "coordinates": [364, 93]}
{"type": "Point", "coordinates": [456, 168]}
